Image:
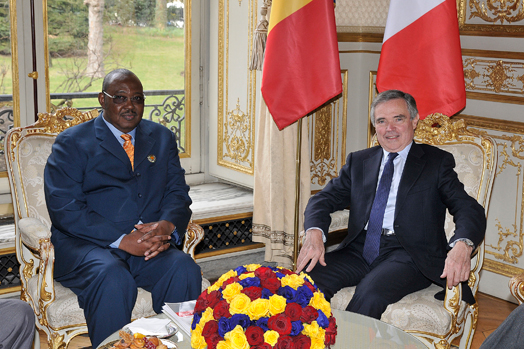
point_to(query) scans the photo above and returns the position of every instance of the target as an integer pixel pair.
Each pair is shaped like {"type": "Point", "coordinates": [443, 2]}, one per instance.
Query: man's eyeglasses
{"type": "Point", "coordinates": [117, 99]}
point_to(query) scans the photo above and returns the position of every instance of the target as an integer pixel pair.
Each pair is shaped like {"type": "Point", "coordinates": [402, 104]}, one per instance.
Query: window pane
{"type": "Point", "coordinates": [6, 78]}
{"type": "Point", "coordinates": [89, 38]}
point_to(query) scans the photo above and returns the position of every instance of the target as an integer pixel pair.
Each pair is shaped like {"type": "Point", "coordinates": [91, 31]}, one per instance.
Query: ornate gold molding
{"type": "Point", "coordinates": [327, 134]}
{"type": "Point", "coordinates": [235, 127]}
{"type": "Point", "coordinates": [360, 36]}
{"type": "Point", "coordinates": [505, 242]}
{"type": "Point", "coordinates": [498, 18]}
{"type": "Point", "coordinates": [496, 76]}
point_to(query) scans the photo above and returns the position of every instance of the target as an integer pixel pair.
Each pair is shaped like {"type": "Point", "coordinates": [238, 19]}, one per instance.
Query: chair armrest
{"type": "Point", "coordinates": [452, 300]}
{"type": "Point", "coordinates": [194, 235]}
{"type": "Point", "coordinates": [516, 287]}
{"type": "Point", "coordinates": [33, 232]}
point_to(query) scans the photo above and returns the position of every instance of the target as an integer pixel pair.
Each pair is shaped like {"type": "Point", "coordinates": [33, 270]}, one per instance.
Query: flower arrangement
{"type": "Point", "coordinates": [261, 307]}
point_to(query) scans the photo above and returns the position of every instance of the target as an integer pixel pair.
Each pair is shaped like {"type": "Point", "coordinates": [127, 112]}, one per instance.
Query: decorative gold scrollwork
{"type": "Point", "coordinates": [237, 136]}
{"type": "Point", "coordinates": [438, 129]}
{"type": "Point", "coordinates": [63, 119]}
{"type": "Point", "coordinates": [494, 11]}
{"type": "Point", "coordinates": [496, 76]}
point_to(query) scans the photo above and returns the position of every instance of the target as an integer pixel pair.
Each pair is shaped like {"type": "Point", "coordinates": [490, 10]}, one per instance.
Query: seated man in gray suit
{"type": "Point", "coordinates": [398, 193]}
{"type": "Point", "coordinates": [119, 206]}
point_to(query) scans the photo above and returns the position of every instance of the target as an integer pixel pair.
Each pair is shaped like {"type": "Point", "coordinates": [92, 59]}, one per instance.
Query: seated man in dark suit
{"type": "Point", "coordinates": [398, 194]}
{"type": "Point", "coordinates": [119, 205]}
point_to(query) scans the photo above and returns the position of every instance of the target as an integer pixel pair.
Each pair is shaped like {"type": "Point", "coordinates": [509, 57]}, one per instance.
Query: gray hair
{"type": "Point", "coordinates": [394, 94]}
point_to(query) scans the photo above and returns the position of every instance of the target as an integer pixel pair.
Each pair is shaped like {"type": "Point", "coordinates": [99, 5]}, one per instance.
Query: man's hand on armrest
{"type": "Point", "coordinates": [458, 264]}
{"type": "Point", "coordinates": [313, 250]}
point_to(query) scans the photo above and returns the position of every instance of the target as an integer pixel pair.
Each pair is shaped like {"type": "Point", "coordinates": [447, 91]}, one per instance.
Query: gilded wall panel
{"type": "Point", "coordinates": [497, 79]}
{"type": "Point", "coordinates": [327, 135]}
{"type": "Point", "coordinates": [236, 97]}
{"type": "Point", "coordinates": [505, 229]}
{"type": "Point", "coordinates": [493, 17]}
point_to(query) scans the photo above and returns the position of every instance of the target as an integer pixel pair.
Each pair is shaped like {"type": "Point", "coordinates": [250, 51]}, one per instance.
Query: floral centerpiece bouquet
{"type": "Point", "coordinates": [262, 308]}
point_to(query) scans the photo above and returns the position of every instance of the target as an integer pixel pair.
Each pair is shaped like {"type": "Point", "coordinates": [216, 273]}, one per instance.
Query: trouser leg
{"type": "Point", "coordinates": [106, 291]}
{"type": "Point", "coordinates": [18, 324]}
{"type": "Point", "coordinates": [172, 276]}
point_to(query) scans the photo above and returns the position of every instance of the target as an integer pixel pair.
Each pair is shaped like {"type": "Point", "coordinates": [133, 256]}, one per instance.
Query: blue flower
{"type": "Point", "coordinates": [262, 323]}
{"type": "Point", "coordinates": [248, 282]}
{"type": "Point", "coordinates": [223, 326]}
{"type": "Point", "coordinates": [240, 270]}
{"type": "Point", "coordinates": [266, 293]}
{"type": "Point", "coordinates": [240, 319]}
{"type": "Point", "coordinates": [280, 275]}
{"type": "Point", "coordinates": [196, 320]}
{"type": "Point", "coordinates": [287, 292]}
{"type": "Point", "coordinates": [296, 328]}
{"type": "Point", "coordinates": [303, 296]}
{"type": "Point", "coordinates": [322, 319]}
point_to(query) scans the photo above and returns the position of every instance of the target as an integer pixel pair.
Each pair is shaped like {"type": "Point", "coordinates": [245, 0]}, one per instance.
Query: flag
{"type": "Point", "coordinates": [301, 68]}
{"type": "Point", "coordinates": [421, 55]}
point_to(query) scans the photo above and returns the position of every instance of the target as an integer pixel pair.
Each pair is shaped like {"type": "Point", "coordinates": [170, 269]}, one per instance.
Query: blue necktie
{"type": "Point", "coordinates": [376, 218]}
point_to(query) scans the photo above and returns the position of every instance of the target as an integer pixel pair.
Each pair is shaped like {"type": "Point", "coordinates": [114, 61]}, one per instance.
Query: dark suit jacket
{"type": "Point", "coordinates": [93, 196]}
{"type": "Point", "coordinates": [427, 187]}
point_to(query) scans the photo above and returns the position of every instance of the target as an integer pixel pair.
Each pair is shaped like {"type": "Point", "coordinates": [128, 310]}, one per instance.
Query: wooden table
{"type": "Point", "coordinates": [354, 331]}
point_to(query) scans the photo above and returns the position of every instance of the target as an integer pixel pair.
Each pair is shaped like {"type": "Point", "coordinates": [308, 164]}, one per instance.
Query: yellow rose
{"type": "Point", "coordinates": [317, 343]}
{"type": "Point", "coordinates": [206, 316]}
{"type": "Point", "coordinates": [246, 275]}
{"type": "Point", "coordinates": [237, 338]}
{"type": "Point", "coordinates": [213, 287]}
{"type": "Point", "coordinates": [306, 276]}
{"type": "Point", "coordinates": [197, 340]}
{"type": "Point", "coordinates": [319, 302]}
{"type": "Point", "coordinates": [313, 330]}
{"type": "Point", "coordinates": [258, 308]}
{"type": "Point", "coordinates": [252, 267]}
{"type": "Point", "coordinates": [293, 280]}
{"type": "Point", "coordinates": [224, 345]}
{"type": "Point", "coordinates": [239, 304]}
{"type": "Point", "coordinates": [277, 304]}
{"type": "Point", "coordinates": [231, 291]}
{"type": "Point", "coordinates": [271, 337]}
{"type": "Point", "coordinates": [225, 276]}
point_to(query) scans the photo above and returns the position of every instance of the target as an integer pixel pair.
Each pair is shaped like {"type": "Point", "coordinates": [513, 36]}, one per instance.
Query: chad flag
{"type": "Point", "coordinates": [301, 64]}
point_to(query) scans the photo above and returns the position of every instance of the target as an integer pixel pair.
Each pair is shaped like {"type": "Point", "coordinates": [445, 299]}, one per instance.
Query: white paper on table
{"type": "Point", "coordinates": [150, 326]}
{"type": "Point", "coordinates": [181, 314]}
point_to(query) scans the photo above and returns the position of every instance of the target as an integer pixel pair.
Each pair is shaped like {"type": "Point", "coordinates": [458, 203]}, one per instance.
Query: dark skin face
{"type": "Point", "coordinates": [126, 116]}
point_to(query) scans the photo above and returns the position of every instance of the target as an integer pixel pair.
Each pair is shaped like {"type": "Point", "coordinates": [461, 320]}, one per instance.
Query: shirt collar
{"type": "Point", "coordinates": [117, 133]}
{"type": "Point", "coordinates": [403, 153]}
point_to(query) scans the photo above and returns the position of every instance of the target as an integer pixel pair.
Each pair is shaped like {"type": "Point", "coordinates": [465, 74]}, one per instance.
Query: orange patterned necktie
{"type": "Point", "coordinates": [129, 148]}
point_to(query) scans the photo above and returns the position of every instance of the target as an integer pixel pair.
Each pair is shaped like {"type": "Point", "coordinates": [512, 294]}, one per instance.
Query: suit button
{"type": "Point", "coordinates": [139, 195]}
{"type": "Point", "coordinates": [138, 174]}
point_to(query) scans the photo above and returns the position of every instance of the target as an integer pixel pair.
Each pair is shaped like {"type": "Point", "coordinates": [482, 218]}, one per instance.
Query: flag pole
{"type": "Point", "coordinates": [297, 192]}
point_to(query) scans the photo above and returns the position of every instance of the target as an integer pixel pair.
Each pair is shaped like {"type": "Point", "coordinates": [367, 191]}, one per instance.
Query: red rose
{"type": "Point", "coordinates": [221, 310]}
{"type": "Point", "coordinates": [279, 323]}
{"type": "Point", "coordinates": [230, 281]}
{"type": "Point", "coordinates": [332, 328]}
{"type": "Point", "coordinates": [209, 328]}
{"type": "Point", "coordinates": [285, 342]}
{"type": "Point", "coordinates": [262, 346]}
{"type": "Point", "coordinates": [213, 340]}
{"type": "Point", "coordinates": [287, 271]}
{"type": "Point", "coordinates": [252, 292]}
{"type": "Point", "coordinates": [293, 311]}
{"type": "Point", "coordinates": [255, 335]}
{"type": "Point", "coordinates": [309, 314]}
{"type": "Point", "coordinates": [302, 342]}
{"type": "Point", "coordinates": [207, 300]}
{"type": "Point", "coordinates": [329, 340]}
{"type": "Point", "coordinates": [201, 302]}
{"type": "Point", "coordinates": [265, 273]}
{"type": "Point", "coordinates": [272, 284]}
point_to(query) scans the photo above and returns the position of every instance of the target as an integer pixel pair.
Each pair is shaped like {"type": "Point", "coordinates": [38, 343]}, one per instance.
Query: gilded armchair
{"type": "Point", "coordinates": [439, 323]}
{"type": "Point", "coordinates": [56, 307]}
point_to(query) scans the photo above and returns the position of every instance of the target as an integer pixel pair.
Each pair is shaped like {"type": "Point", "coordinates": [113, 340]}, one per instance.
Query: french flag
{"type": "Point", "coordinates": [421, 55]}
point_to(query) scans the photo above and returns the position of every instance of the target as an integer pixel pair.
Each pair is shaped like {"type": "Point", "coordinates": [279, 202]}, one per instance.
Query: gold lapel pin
{"type": "Point", "coordinates": [151, 158]}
